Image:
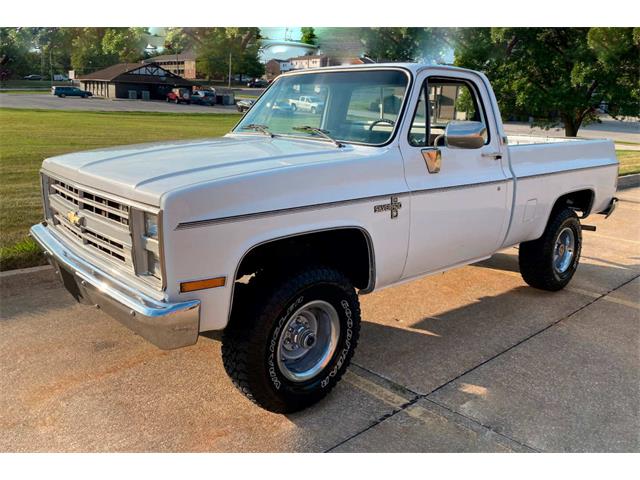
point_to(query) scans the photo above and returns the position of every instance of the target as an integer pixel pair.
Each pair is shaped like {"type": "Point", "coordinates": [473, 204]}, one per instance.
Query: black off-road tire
{"type": "Point", "coordinates": [250, 341]}
{"type": "Point", "coordinates": [536, 256]}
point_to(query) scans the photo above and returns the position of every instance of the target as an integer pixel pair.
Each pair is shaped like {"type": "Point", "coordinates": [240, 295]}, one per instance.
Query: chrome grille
{"type": "Point", "coordinates": [92, 203]}
{"type": "Point", "coordinates": [96, 222]}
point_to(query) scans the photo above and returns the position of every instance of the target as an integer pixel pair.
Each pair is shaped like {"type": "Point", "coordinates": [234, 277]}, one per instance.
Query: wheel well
{"type": "Point", "coordinates": [348, 249]}
{"type": "Point", "coordinates": [581, 200]}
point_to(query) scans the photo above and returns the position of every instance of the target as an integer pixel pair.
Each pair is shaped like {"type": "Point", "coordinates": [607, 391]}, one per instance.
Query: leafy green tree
{"type": "Point", "coordinates": [406, 44]}
{"type": "Point", "coordinates": [87, 54]}
{"type": "Point", "coordinates": [557, 75]}
{"type": "Point", "coordinates": [127, 43]}
{"type": "Point", "coordinates": [16, 59]}
{"type": "Point", "coordinates": [215, 46]}
{"type": "Point", "coordinates": [308, 35]}
{"type": "Point", "coordinates": [177, 40]}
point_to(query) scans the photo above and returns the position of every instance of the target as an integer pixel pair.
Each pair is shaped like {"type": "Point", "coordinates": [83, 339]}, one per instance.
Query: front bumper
{"type": "Point", "coordinates": [166, 325]}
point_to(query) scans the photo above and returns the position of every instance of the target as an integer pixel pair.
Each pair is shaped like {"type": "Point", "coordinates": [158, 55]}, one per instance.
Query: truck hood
{"type": "Point", "coordinates": [146, 172]}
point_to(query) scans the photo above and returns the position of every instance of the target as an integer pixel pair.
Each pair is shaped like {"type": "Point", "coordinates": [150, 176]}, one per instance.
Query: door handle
{"type": "Point", "coordinates": [433, 158]}
{"type": "Point", "coordinates": [494, 155]}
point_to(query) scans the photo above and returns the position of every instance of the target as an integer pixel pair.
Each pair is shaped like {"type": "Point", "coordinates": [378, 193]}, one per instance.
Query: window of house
{"type": "Point", "coordinates": [441, 101]}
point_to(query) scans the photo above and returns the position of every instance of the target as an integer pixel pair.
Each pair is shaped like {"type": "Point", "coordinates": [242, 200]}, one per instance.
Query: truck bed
{"type": "Point", "coordinates": [545, 168]}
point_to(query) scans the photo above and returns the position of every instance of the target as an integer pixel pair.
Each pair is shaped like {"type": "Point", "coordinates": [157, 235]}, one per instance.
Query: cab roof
{"type": "Point", "coordinates": [412, 67]}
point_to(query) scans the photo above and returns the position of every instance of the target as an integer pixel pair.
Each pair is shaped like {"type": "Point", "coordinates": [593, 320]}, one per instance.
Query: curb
{"type": "Point", "coordinates": [20, 271]}
{"type": "Point", "coordinates": [629, 181]}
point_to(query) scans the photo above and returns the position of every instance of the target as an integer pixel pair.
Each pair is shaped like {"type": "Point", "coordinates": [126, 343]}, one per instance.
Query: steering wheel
{"type": "Point", "coordinates": [381, 120]}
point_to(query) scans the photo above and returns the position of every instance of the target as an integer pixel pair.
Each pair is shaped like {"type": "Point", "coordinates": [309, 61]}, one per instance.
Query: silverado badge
{"type": "Point", "coordinates": [393, 207]}
{"type": "Point", "coordinates": [74, 218]}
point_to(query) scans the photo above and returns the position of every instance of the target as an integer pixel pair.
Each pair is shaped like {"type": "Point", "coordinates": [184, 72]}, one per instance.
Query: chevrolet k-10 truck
{"type": "Point", "coordinates": [270, 233]}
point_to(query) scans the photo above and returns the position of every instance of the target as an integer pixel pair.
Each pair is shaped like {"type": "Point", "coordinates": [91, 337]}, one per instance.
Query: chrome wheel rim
{"type": "Point", "coordinates": [564, 250]}
{"type": "Point", "coordinates": [308, 341]}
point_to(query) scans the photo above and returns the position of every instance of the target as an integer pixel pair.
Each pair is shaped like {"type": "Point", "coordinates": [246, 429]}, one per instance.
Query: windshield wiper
{"type": "Point", "coordinates": [320, 132]}
{"type": "Point", "coordinates": [259, 128]}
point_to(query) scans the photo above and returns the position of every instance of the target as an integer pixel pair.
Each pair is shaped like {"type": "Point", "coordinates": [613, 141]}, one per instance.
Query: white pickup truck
{"type": "Point", "coordinates": [307, 103]}
{"type": "Point", "coordinates": [271, 232]}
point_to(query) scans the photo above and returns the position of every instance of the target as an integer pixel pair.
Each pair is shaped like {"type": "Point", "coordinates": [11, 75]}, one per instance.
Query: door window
{"type": "Point", "coordinates": [441, 101]}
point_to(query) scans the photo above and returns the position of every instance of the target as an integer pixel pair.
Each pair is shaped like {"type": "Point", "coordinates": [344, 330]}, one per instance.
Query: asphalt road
{"type": "Point", "coordinates": [470, 360]}
{"type": "Point", "coordinates": [50, 102]}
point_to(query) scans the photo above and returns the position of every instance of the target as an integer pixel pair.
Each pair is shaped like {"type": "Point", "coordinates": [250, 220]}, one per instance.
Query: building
{"type": "Point", "coordinates": [182, 64]}
{"type": "Point", "coordinates": [133, 80]}
{"type": "Point", "coordinates": [275, 67]}
{"type": "Point", "coordinates": [315, 61]}
{"type": "Point", "coordinates": [309, 61]}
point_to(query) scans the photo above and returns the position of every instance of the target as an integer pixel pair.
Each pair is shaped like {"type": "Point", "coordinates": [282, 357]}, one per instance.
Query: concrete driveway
{"type": "Point", "coordinates": [470, 360]}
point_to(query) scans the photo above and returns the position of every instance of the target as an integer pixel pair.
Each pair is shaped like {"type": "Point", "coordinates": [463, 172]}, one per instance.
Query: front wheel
{"type": "Point", "coordinates": [291, 348]}
{"type": "Point", "coordinates": [550, 262]}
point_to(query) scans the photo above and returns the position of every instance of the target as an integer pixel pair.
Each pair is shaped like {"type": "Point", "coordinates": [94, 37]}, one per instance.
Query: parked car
{"type": "Point", "coordinates": [204, 97]}
{"type": "Point", "coordinates": [271, 233]}
{"type": "Point", "coordinates": [32, 77]}
{"type": "Point", "coordinates": [60, 78]}
{"type": "Point", "coordinates": [258, 83]}
{"type": "Point", "coordinates": [282, 107]}
{"type": "Point", "coordinates": [307, 103]}
{"type": "Point", "coordinates": [179, 95]}
{"type": "Point", "coordinates": [244, 104]}
{"type": "Point", "coordinates": [62, 92]}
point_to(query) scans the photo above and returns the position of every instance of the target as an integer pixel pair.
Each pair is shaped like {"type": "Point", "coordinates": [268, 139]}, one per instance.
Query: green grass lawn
{"type": "Point", "coordinates": [29, 136]}
{"type": "Point", "coordinates": [629, 161]}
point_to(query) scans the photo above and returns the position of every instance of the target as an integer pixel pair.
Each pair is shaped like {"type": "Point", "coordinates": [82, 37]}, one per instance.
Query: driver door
{"type": "Point", "coordinates": [459, 196]}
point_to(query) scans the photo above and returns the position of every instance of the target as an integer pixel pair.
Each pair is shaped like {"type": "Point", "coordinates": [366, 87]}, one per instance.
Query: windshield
{"type": "Point", "coordinates": [349, 106]}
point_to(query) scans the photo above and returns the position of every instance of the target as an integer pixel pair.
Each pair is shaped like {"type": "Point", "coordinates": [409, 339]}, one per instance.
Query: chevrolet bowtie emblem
{"type": "Point", "coordinates": [393, 207]}
{"type": "Point", "coordinates": [74, 218]}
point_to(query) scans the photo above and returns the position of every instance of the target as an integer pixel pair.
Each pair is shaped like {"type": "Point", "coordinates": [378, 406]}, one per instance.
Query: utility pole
{"type": "Point", "coordinates": [229, 69]}
{"type": "Point", "coordinates": [51, 64]}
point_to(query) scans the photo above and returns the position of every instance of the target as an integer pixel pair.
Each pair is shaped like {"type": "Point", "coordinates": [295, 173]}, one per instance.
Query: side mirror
{"type": "Point", "coordinates": [467, 135]}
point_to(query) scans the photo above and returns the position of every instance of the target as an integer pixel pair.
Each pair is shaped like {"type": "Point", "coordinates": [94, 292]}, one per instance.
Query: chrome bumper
{"type": "Point", "coordinates": [166, 325]}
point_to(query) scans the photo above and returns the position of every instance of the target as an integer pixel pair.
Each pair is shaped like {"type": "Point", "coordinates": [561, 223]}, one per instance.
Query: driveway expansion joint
{"type": "Point", "coordinates": [360, 371]}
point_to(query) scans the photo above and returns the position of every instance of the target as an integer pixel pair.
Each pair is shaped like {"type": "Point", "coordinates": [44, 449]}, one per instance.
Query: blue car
{"type": "Point", "coordinates": [69, 92]}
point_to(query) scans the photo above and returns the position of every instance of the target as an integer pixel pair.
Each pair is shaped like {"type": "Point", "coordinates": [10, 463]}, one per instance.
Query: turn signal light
{"type": "Point", "coordinates": [202, 284]}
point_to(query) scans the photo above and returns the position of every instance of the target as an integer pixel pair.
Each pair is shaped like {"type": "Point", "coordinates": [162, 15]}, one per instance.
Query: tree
{"type": "Point", "coordinates": [215, 46]}
{"type": "Point", "coordinates": [557, 75]}
{"type": "Point", "coordinates": [406, 44]}
{"type": "Point", "coordinates": [308, 35]}
{"type": "Point", "coordinates": [16, 57]}
{"type": "Point", "coordinates": [87, 54]}
{"type": "Point", "coordinates": [127, 43]}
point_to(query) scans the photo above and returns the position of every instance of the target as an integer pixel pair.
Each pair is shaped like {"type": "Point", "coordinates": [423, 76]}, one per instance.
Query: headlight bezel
{"type": "Point", "coordinates": [146, 233]}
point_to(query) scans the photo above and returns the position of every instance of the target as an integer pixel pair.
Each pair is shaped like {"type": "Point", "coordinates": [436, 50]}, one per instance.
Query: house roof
{"type": "Point", "coordinates": [111, 72]}
{"type": "Point", "coordinates": [120, 72]}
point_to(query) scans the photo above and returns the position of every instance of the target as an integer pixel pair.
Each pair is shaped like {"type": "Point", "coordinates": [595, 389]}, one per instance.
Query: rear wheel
{"type": "Point", "coordinates": [550, 262]}
{"type": "Point", "coordinates": [313, 110]}
{"type": "Point", "coordinates": [291, 339]}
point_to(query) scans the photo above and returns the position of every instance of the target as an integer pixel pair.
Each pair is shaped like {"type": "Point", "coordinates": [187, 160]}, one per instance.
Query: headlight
{"type": "Point", "coordinates": [151, 225]}
{"type": "Point", "coordinates": [148, 246]}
